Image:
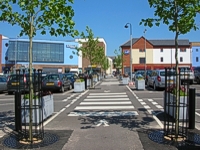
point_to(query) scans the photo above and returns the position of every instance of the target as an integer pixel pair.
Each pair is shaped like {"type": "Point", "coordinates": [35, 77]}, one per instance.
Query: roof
{"type": "Point", "coordinates": [160, 42]}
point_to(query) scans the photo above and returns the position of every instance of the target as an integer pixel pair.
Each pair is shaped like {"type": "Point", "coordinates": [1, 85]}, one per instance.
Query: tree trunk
{"type": "Point", "coordinates": [177, 76]}
{"type": "Point", "coordinates": [30, 81]}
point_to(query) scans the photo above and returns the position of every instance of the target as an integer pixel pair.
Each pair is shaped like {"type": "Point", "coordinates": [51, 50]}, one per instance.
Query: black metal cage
{"type": "Point", "coordinates": [176, 103]}
{"type": "Point", "coordinates": [29, 102]}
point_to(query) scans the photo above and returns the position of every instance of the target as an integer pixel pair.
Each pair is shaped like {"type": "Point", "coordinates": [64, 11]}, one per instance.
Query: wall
{"type": "Point", "coordinates": [168, 55]}
{"type": "Point", "coordinates": [195, 53]}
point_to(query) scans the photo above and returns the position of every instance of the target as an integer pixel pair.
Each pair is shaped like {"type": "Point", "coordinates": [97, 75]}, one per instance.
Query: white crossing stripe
{"type": "Point", "coordinates": [140, 100]}
{"type": "Point", "coordinates": [105, 99]}
{"type": "Point", "coordinates": [143, 103]}
{"type": "Point", "coordinates": [154, 103]}
{"type": "Point", "coordinates": [150, 100]}
{"type": "Point", "coordinates": [103, 103]}
{"type": "Point", "coordinates": [123, 93]}
{"type": "Point", "coordinates": [110, 114]}
{"type": "Point", "coordinates": [107, 96]}
{"type": "Point", "coordinates": [158, 106]}
{"type": "Point", "coordinates": [146, 106]}
{"type": "Point", "coordinates": [103, 107]}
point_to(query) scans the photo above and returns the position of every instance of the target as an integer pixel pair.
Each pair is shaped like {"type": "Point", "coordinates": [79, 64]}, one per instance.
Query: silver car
{"type": "Point", "coordinates": [157, 79]}
{"type": "Point", "coordinates": [3, 84]}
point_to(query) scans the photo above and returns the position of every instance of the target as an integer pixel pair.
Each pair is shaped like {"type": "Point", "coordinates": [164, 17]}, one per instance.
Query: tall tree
{"type": "Point", "coordinates": [105, 63]}
{"type": "Point", "coordinates": [90, 47]}
{"type": "Point", "coordinates": [179, 16]}
{"type": "Point", "coordinates": [118, 60]}
{"type": "Point", "coordinates": [52, 16]}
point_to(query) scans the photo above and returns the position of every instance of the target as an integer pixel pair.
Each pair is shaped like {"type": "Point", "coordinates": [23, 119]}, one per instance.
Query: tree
{"type": "Point", "coordinates": [90, 48]}
{"type": "Point", "coordinates": [38, 15]}
{"type": "Point", "coordinates": [179, 15]}
{"type": "Point", "coordinates": [105, 63]}
{"type": "Point", "coordinates": [118, 61]}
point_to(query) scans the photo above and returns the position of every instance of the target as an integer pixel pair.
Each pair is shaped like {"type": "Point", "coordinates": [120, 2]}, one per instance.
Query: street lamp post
{"type": "Point", "coordinates": [16, 53]}
{"type": "Point", "coordinates": [126, 26]}
{"type": "Point", "coordinates": [145, 63]}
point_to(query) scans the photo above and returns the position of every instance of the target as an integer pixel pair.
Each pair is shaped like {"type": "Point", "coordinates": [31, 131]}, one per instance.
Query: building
{"type": "Point", "coordinates": [195, 54]}
{"type": "Point", "coordinates": [86, 66]}
{"type": "Point", "coordinates": [159, 54]}
{"type": "Point", "coordinates": [110, 69]}
{"type": "Point", "coordinates": [51, 56]}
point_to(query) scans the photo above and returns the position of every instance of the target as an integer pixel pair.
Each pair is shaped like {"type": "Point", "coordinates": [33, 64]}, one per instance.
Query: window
{"type": "Point", "coordinates": [197, 59]}
{"type": "Point", "coordinates": [42, 52]}
{"type": "Point", "coordinates": [197, 50]}
{"type": "Point", "coordinates": [182, 49]}
{"type": "Point", "coordinates": [161, 50]}
{"type": "Point", "coordinates": [181, 59]}
{"type": "Point", "coordinates": [141, 50]}
{"type": "Point", "coordinates": [142, 60]}
{"type": "Point", "coordinates": [161, 59]}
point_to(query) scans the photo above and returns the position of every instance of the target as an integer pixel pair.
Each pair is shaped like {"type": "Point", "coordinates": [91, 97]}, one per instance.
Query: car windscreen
{"type": "Point", "coordinates": [184, 69]}
{"type": "Point", "coordinates": [3, 80]}
{"type": "Point", "coordinates": [52, 77]}
{"type": "Point", "coordinates": [16, 77]}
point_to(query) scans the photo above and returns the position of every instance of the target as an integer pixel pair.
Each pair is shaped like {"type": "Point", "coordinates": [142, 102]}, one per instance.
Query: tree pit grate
{"type": "Point", "coordinates": [160, 138]}
{"type": "Point", "coordinates": [12, 141]}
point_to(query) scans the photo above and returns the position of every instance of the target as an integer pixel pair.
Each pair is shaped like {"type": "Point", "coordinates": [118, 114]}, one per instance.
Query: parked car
{"type": "Point", "coordinates": [72, 77]}
{"type": "Point", "coordinates": [56, 82]}
{"type": "Point", "coordinates": [157, 78]}
{"type": "Point", "coordinates": [187, 74]}
{"type": "Point", "coordinates": [21, 82]}
{"type": "Point", "coordinates": [3, 84]}
{"type": "Point", "coordinates": [197, 74]}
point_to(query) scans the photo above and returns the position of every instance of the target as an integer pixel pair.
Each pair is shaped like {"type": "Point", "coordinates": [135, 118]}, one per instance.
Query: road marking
{"type": "Point", "coordinates": [62, 110]}
{"type": "Point", "coordinates": [146, 106]}
{"type": "Point", "coordinates": [150, 100]}
{"type": "Point", "coordinates": [108, 96]}
{"type": "Point", "coordinates": [143, 103]}
{"type": "Point", "coordinates": [102, 122]}
{"type": "Point", "coordinates": [157, 120]}
{"type": "Point", "coordinates": [102, 103]}
{"type": "Point", "coordinates": [68, 98]}
{"type": "Point", "coordinates": [158, 106]}
{"type": "Point", "coordinates": [110, 99]}
{"type": "Point", "coordinates": [123, 93]}
{"type": "Point", "coordinates": [103, 107]}
{"type": "Point", "coordinates": [140, 100]}
{"type": "Point", "coordinates": [7, 104]}
{"type": "Point", "coordinates": [7, 99]}
{"type": "Point", "coordinates": [104, 113]}
{"type": "Point", "coordinates": [54, 116]}
{"type": "Point", "coordinates": [154, 103]}
{"type": "Point", "coordinates": [197, 114]}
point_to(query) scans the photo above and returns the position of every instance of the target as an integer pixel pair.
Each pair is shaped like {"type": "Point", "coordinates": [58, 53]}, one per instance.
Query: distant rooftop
{"type": "Point", "coordinates": [161, 42]}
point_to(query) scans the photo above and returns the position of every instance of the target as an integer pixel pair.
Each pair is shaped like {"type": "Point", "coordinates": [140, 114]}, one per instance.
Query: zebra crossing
{"type": "Point", "coordinates": [105, 104]}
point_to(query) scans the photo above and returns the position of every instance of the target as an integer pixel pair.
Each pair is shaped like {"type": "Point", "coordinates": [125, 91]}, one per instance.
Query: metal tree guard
{"type": "Point", "coordinates": [176, 113]}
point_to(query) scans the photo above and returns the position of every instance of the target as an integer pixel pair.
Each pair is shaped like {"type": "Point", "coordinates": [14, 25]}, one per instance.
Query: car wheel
{"type": "Point", "coordinates": [62, 89]}
{"type": "Point", "coordinates": [9, 93]}
{"type": "Point", "coordinates": [70, 87]}
{"type": "Point", "coordinates": [147, 84]}
{"type": "Point", "coordinates": [154, 87]}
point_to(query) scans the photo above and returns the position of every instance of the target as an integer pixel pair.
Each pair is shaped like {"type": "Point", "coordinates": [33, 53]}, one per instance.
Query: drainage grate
{"type": "Point", "coordinates": [158, 137]}
{"type": "Point", "coordinates": [12, 142]}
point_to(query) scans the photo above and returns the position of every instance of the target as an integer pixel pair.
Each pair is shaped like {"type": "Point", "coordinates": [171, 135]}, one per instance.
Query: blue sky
{"type": "Point", "coordinates": [107, 19]}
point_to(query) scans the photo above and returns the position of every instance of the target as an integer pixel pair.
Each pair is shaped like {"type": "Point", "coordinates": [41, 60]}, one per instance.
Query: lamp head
{"type": "Point", "coordinates": [126, 26]}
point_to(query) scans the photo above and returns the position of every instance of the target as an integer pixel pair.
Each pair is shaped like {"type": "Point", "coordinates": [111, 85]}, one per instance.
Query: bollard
{"type": "Point", "coordinates": [85, 78]}
{"type": "Point", "coordinates": [18, 120]}
{"type": "Point", "coordinates": [192, 106]}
